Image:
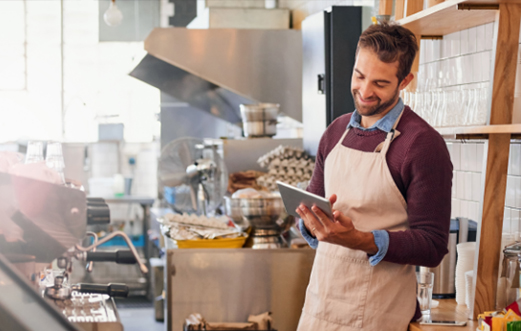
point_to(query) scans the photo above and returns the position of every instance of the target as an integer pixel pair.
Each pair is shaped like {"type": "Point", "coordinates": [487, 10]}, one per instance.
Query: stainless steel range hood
{"type": "Point", "coordinates": [218, 69]}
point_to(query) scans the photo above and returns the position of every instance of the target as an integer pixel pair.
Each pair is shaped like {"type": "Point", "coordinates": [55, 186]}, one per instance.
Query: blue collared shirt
{"type": "Point", "coordinates": [381, 237]}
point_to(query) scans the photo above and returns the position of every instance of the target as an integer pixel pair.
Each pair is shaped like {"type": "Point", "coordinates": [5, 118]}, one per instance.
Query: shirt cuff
{"type": "Point", "coordinates": [381, 239]}
{"type": "Point", "coordinates": [313, 242]}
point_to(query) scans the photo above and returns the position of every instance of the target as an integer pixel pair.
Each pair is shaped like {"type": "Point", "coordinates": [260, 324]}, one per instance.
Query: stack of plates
{"type": "Point", "coordinates": [465, 263]}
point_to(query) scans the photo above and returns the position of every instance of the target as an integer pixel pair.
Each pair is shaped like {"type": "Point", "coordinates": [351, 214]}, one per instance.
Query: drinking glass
{"type": "Point", "coordinates": [473, 106]}
{"type": "Point", "coordinates": [425, 280]}
{"type": "Point", "coordinates": [34, 152]}
{"type": "Point", "coordinates": [54, 158]}
{"type": "Point", "coordinates": [481, 109]}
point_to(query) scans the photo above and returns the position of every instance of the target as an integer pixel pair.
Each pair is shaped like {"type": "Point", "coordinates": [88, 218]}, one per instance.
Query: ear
{"type": "Point", "coordinates": [406, 81]}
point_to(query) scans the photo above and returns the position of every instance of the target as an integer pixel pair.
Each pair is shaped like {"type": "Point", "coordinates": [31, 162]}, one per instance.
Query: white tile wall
{"type": "Point", "coordinates": [467, 159]}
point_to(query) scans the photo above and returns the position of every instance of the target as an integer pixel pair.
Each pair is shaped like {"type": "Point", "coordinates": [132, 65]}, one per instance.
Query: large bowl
{"type": "Point", "coordinates": [260, 128]}
{"type": "Point", "coordinates": [263, 213]}
{"type": "Point", "coordinates": [259, 112]}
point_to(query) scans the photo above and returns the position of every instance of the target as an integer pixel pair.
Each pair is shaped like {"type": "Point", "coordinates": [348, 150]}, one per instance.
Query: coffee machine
{"type": "Point", "coordinates": [461, 230]}
{"type": "Point", "coordinates": [43, 223]}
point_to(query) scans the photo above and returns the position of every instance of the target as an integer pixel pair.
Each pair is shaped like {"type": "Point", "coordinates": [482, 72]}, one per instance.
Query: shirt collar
{"type": "Point", "coordinates": [385, 123]}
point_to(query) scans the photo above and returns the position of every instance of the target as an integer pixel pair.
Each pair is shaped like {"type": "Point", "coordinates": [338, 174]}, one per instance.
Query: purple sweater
{"type": "Point", "coordinates": [420, 165]}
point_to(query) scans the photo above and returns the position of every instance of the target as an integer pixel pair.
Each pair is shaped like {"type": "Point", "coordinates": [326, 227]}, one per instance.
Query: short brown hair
{"type": "Point", "coordinates": [391, 42]}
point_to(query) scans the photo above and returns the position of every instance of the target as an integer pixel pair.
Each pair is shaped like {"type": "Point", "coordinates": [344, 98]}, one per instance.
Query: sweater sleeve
{"type": "Point", "coordinates": [427, 170]}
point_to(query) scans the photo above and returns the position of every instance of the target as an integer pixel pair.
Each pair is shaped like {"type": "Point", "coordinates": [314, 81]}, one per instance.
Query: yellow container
{"type": "Point", "coordinates": [213, 243]}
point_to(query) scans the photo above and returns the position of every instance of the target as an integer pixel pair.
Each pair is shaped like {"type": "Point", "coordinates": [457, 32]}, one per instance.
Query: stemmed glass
{"type": "Point", "coordinates": [54, 158]}
{"type": "Point", "coordinates": [34, 152]}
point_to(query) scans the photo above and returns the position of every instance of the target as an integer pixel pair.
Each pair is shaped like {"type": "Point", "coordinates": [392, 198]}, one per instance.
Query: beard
{"type": "Point", "coordinates": [380, 106]}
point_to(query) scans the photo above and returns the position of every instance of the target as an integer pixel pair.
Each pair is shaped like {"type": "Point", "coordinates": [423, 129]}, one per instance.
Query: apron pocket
{"type": "Point", "coordinates": [338, 289]}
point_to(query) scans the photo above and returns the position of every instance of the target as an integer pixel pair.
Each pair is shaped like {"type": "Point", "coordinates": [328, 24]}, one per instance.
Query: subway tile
{"type": "Point", "coordinates": [477, 69]}
{"type": "Point", "coordinates": [517, 190]}
{"type": "Point", "coordinates": [515, 220]}
{"type": "Point", "coordinates": [429, 51]}
{"type": "Point", "coordinates": [436, 50]}
{"type": "Point", "coordinates": [485, 61]}
{"type": "Point", "coordinates": [468, 66]}
{"type": "Point", "coordinates": [460, 185]}
{"type": "Point", "coordinates": [480, 149]}
{"type": "Point", "coordinates": [459, 70]}
{"type": "Point", "coordinates": [464, 208]}
{"type": "Point", "coordinates": [472, 40]}
{"type": "Point", "coordinates": [472, 155]}
{"type": "Point", "coordinates": [453, 71]}
{"type": "Point", "coordinates": [474, 211]}
{"type": "Point", "coordinates": [455, 44]}
{"type": "Point", "coordinates": [456, 156]}
{"type": "Point", "coordinates": [465, 157]}
{"type": "Point", "coordinates": [510, 192]}
{"type": "Point", "coordinates": [464, 37]}
{"type": "Point", "coordinates": [476, 187]}
{"type": "Point", "coordinates": [468, 186]}
{"type": "Point", "coordinates": [506, 221]}
{"type": "Point", "coordinates": [445, 46]}
{"type": "Point", "coordinates": [480, 38]}
{"type": "Point", "coordinates": [489, 35]}
{"type": "Point", "coordinates": [515, 159]}
{"type": "Point", "coordinates": [454, 211]}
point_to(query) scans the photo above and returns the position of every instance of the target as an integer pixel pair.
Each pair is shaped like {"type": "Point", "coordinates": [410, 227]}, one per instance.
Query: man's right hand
{"type": "Point", "coordinates": [310, 220]}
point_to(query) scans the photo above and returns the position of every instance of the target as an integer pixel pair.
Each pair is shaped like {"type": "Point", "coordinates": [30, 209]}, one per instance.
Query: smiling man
{"type": "Point", "coordinates": [388, 176]}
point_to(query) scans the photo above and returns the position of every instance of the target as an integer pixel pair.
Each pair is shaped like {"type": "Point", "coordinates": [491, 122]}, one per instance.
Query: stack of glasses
{"type": "Point", "coordinates": [462, 107]}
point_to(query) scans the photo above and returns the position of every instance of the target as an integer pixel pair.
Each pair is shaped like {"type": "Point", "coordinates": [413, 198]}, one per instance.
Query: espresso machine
{"type": "Point", "coordinates": [43, 223]}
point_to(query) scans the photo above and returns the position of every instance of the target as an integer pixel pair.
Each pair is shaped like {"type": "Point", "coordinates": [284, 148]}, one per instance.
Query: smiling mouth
{"type": "Point", "coordinates": [366, 101]}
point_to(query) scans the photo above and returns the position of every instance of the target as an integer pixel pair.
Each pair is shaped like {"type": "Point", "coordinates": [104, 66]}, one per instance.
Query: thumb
{"type": "Point", "coordinates": [342, 219]}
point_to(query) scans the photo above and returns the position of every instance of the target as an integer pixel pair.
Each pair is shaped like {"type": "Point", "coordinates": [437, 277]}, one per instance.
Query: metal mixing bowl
{"type": "Point", "coordinates": [259, 112]}
{"type": "Point", "coordinates": [260, 213]}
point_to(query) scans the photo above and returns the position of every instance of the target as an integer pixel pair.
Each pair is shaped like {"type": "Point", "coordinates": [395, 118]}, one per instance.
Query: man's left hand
{"type": "Point", "coordinates": [339, 231]}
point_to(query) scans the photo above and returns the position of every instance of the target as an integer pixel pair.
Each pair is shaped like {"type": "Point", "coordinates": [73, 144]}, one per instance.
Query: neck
{"type": "Point", "coordinates": [368, 121]}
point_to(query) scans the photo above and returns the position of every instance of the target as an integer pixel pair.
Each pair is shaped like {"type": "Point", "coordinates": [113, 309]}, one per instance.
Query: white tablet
{"type": "Point", "coordinates": [293, 197]}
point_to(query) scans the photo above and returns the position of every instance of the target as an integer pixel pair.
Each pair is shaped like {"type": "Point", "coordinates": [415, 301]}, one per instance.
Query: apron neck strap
{"type": "Point", "coordinates": [391, 135]}
{"type": "Point", "coordinates": [343, 136]}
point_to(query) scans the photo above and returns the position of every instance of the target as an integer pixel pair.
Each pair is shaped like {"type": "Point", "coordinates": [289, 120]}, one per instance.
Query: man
{"type": "Point", "coordinates": [389, 176]}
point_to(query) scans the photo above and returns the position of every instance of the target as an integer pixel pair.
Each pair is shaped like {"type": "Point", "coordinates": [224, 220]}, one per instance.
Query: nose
{"type": "Point", "coordinates": [365, 90]}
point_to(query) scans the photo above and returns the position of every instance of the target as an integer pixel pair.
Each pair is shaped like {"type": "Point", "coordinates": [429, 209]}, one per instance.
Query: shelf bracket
{"type": "Point", "coordinates": [466, 6]}
{"type": "Point", "coordinates": [432, 37]}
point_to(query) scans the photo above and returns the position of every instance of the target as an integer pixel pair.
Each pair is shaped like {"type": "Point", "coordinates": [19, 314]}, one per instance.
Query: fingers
{"type": "Point", "coordinates": [332, 199]}
{"type": "Point", "coordinates": [310, 221]}
{"type": "Point", "coordinates": [342, 219]}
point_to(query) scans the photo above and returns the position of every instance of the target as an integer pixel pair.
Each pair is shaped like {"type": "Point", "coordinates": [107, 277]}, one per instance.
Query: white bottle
{"type": "Point", "coordinates": [119, 185]}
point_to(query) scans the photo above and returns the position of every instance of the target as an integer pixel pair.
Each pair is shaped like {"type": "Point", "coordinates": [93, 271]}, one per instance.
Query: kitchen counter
{"type": "Point", "coordinates": [448, 310]}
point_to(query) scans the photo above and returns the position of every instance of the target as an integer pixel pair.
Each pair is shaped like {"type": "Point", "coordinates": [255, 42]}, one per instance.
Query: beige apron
{"type": "Point", "coordinates": [345, 292]}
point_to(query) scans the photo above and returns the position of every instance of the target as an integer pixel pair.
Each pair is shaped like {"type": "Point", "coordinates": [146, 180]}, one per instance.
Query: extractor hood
{"type": "Point", "coordinates": [216, 70]}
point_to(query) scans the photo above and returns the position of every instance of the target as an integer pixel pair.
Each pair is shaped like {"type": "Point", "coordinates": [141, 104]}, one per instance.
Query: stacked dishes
{"type": "Point", "coordinates": [259, 120]}
{"type": "Point", "coordinates": [466, 252]}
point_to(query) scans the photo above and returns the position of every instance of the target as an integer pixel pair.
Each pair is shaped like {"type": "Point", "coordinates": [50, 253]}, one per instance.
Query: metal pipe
{"type": "Point", "coordinates": [143, 268]}
{"type": "Point", "coordinates": [90, 265]}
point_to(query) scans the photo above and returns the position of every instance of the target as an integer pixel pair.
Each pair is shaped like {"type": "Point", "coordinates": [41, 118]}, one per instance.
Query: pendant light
{"type": "Point", "coordinates": [113, 15]}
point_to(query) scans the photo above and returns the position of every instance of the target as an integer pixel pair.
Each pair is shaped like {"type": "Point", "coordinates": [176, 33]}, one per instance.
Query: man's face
{"type": "Point", "coordinates": [374, 84]}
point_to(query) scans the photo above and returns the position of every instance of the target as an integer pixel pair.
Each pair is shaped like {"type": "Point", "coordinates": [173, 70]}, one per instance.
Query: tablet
{"type": "Point", "coordinates": [293, 197]}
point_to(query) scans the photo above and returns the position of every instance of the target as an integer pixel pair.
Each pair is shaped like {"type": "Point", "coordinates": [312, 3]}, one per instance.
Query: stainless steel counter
{"type": "Point", "coordinates": [227, 285]}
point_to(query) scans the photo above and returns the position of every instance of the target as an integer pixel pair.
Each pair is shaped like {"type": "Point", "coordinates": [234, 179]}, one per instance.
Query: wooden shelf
{"type": "Point", "coordinates": [445, 18]}
{"type": "Point", "coordinates": [448, 310]}
{"type": "Point", "coordinates": [480, 132]}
